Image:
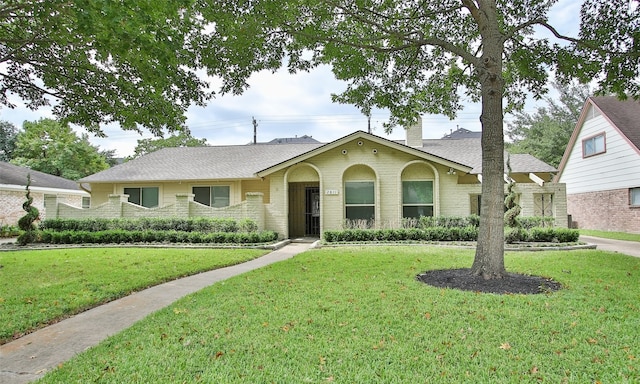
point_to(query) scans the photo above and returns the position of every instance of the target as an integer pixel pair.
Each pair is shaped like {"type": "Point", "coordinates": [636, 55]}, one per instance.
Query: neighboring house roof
{"type": "Point", "coordinates": [251, 161]}
{"type": "Point", "coordinates": [623, 115]}
{"type": "Point", "coordinates": [462, 133]}
{"type": "Point", "coordinates": [293, 140]}
{"type": "Point", "coordinates": [11, 174]}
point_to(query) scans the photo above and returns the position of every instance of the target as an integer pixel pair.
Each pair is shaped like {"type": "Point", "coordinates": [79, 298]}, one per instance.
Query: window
{"type": "Point", "coordinates": [359, 200]}
{"type": "Point", "coordinates": [217, 196]}
{"type": "Point", "coordinates": [634, 196]}
{"type": "Point", "coordinates": [417, 198]}
{"type": "Point", "coordinates": [86, 202]}
{"type": "Point", "coordinates": [593, 145]}
{"type": "Point", "coordinates": [147, 196]}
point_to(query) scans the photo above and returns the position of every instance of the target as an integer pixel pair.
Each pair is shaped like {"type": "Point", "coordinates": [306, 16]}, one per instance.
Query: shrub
{"type": "Point", "coordinates": [514, 235]}
{"type": "Point", "coordinates": [200, 224]}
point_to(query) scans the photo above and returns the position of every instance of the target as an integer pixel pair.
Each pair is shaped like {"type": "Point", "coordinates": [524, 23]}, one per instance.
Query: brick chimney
{"type": "Point", "coordinates": [414, 134]}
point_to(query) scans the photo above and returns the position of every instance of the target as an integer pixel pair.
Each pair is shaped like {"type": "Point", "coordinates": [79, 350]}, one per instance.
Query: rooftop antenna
{"type": "Point", "coordinates": [369, 123]}
{"type": "Point", "coordinates": [255, 129]}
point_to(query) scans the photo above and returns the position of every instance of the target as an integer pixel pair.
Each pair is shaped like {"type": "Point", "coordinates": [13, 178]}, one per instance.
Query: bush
{"type": "Point", "coordinates": [118, 236]}
{"type": "Point", "coordinates": [199, 224]}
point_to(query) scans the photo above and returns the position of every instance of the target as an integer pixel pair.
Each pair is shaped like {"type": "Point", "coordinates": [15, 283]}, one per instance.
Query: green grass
{"type": "Point", "coordinates": [611, 235]}
{"type": "Point", "coordinates": [357, 315]}
{"type": "Point", "coordinates": [41, 287]}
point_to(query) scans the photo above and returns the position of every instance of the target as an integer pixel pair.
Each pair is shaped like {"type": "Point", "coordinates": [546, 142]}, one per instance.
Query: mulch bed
{"type": "Point", "coordinates": [510, 284]}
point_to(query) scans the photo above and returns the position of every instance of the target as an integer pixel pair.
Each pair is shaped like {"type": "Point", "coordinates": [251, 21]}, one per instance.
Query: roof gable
{"type": "Point", "coordinates": [622, 115]}
{"type": "Point", "coordinates": [363, 135]}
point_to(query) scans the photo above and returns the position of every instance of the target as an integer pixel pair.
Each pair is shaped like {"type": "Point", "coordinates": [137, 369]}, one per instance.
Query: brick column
{"type": "Point", "coordinates": [183, 202]}
{"type": "Point", "coordinates": [255, 208]}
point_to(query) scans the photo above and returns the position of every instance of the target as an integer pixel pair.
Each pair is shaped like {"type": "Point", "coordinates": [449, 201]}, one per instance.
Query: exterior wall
{"type": "Point", "coordinates": [604, 210]}
{"type": "Point", "coordinates": [618, 167]}
{"type": "Point", "coordinates": [183, 207]}
{"type": "Point", "coordinates": [388, 168]}
{"type": "Point", "coordinates": [11, 202]}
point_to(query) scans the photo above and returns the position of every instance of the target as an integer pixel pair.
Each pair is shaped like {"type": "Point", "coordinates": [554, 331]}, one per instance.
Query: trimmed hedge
{"type": "Point", "coordinates": [119, 236]}
{"type": "Point", "coordinates": [468, 233]}
{"type": "Point", "coordinates": [199, 224]}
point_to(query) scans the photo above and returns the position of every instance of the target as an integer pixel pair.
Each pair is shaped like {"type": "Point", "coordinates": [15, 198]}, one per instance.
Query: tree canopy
{"type": "Point", "coordinates": [54, 148]}
{"type": "Point", "coordinates": [414, 57]}
{"type": "Point", "coordinates": [545, 133]}
{"type": "Point", "coordinates": [8, 133]}
{"type": "Point", "coordinates": [182, 139]}
{"type": "Point", "coordinates": [102, 61]}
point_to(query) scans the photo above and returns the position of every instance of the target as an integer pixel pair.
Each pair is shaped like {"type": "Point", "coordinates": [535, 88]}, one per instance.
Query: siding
{"type": "Point", "coordinates": [618, 167]}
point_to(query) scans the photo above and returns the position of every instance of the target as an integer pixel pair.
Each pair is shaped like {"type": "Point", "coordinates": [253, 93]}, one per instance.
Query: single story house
{"type": "Point", "coordinates": [601, 166]}
{"type": "Point", "coordinates": [13, 182]}
{"type": "Point", "coordinates": [302, 189]}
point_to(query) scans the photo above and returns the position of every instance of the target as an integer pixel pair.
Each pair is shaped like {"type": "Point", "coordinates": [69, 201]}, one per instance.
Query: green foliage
{"type": "Point", "coordinates": [9, 231]}
{"type": "Point", "coordinates": [181, 139]}
{"type": "Point", "coordinates": [8, 133]}
{"type": "Point", "coordinates": [26, 222]}
{"type": "Point", "coordinates": [545, 133]}
{"type": "Point", "coordinates": [54, 148]}
{"type": "Point", "coordinates": [358, 315]}
{"type": "Point", "coordinates": [101, 61]}
{"type": "Point", "coordinates": [122, 236]}
{"type": "Point", "coordinates": [512, 208]}
{"type": "Point", "coordinates": [198, 224]}
{"type": "Point", "coordinates": [71, 280]}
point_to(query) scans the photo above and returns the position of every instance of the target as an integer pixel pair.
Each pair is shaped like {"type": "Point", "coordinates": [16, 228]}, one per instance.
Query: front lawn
{"type": "Point", "coordinates": [611, 235]}
{"type": "Point", "coordinates": [41, 287]}
{"type": "Point", "coordinates": [358, 315]}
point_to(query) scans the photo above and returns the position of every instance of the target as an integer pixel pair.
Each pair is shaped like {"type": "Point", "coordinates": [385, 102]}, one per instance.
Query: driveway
{"type": "Point", "coordinates": [631, 248]}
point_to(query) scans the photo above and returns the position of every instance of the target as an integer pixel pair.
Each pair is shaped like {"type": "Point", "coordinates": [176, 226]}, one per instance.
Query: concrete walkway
{"type": "Point", "coordinates": [30, 357]}
{"type": "Point", "coordinates": [631, 248]}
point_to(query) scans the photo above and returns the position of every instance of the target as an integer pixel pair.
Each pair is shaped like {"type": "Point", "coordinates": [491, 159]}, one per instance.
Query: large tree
{"type": "Point", "coordinates": [182, 139]}
{"type": "Point", "coordinates": [8, 133]}
{"type": "Point", "coordinates": [418, 56]}
{"type": "Point", "coordinates": [102, 61]}
{"type": "Point", "coordinates": [546, 132]}
{"type": "Point", "coordinates": [54, 148]}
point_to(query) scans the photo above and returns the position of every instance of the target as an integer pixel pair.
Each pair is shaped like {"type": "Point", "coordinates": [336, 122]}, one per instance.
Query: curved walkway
{"type": "Point", "coordinates": [631, 248]}
{"type": "Point", "coordinates": [30, 357]}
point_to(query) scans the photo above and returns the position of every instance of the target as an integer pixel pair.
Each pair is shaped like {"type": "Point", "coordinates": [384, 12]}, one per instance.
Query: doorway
{"type": "Point", "coordinates": [304, 210]}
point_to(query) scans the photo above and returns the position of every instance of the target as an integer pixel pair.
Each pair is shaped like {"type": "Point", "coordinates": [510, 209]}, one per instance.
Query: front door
{"type": "Point", "coordinates": [304, 210]}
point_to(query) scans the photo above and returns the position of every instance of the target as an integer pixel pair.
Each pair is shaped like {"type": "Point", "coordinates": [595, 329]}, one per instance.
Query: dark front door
{"type": "Point", "coordinates": [304, 209]}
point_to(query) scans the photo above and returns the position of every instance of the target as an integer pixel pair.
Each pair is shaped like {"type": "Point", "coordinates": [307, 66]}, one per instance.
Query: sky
{"type": "Point", "coordinates": [286, 105]}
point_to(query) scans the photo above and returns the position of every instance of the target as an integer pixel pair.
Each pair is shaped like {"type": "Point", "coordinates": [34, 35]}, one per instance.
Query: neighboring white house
{"type": "Point", "coordinates": [13, 181]}
{"type": "Point", "coordinates": [601, 166]}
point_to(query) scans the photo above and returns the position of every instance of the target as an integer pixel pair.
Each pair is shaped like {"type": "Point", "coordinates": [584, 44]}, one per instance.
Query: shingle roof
{"type": "Point", "coordinates": [200, 163]}
{"type": "Point", "coordinates": [244, 161]}
{"type": "Point", "coordinates": [624, 114]}
{"type": "Point", "coordinates": [15, 175]}
{"type": "Point", "coordinates": [469, 152]}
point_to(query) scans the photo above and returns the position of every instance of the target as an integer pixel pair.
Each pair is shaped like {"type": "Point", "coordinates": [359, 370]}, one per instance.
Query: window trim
{"type": "Point", "coordinates": [631, 194]}
{"type": "Point", "coordinates": [212, 196]}
{"type": "Point", "coordinates": [432, 204]}
{"type": "Point", "coordinates": [593, 138]}
{"type": "Point", "coordinates": [141, 188]}
{"type": "Point", "coordinates": [372, 205]}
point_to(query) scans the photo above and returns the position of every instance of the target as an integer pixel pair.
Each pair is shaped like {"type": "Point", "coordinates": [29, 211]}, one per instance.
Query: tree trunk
{"type": "Point", "coordinates": [489, 258]}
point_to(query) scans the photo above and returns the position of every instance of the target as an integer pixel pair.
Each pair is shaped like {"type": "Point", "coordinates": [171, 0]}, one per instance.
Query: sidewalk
{"type": "Point", "coordinates": [631, 248]}
{"type": "Point", "coordinates": [30, 357]}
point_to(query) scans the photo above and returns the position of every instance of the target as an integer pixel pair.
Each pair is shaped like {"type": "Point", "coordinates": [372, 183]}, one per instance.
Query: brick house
{"type": "Point", "coordinates": [601, 166]}
{"type": "Point", "coordinates": [13, 181]}
{"type": "Point", "coordinates": [304, 188]}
